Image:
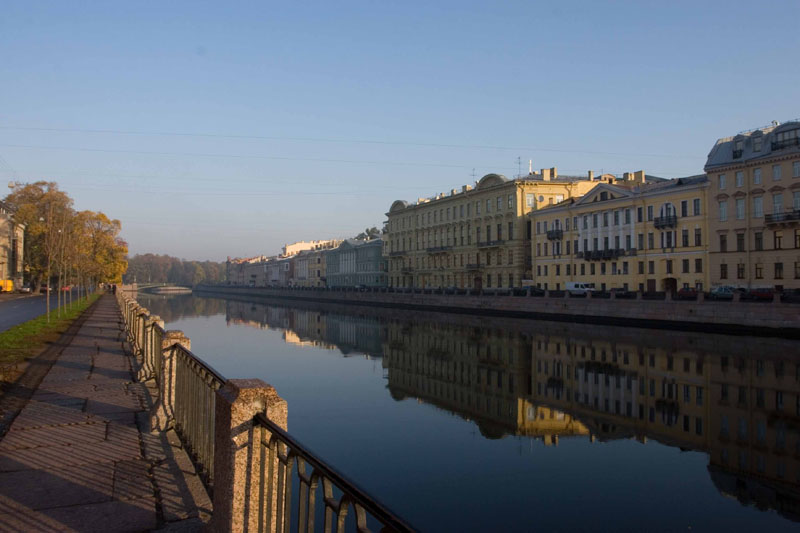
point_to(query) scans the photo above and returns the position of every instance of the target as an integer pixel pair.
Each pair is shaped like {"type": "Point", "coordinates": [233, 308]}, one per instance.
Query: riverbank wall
{"type": "Point", "coordinates": [731, 317]}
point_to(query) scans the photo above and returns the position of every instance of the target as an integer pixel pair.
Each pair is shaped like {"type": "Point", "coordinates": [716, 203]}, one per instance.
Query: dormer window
{"type": "Point", "coordinates": [786, 138]}
{"type": "Point", "coordinates": [737, 148]}
{"type": "Point", "coordinates": [757, 143]}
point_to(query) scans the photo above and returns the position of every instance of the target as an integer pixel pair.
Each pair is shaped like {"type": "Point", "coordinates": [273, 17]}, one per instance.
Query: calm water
{"type": "Point", "coordinates": [482, 424]}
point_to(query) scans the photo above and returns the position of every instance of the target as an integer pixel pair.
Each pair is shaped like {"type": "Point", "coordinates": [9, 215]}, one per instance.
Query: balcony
{"type": "Point", "coordinates": [473, 266]}
{"type": "Point", "coordinates": [737, 154]}
{"type": "Point", "coordinates": [490, 244]}
{"type": "Point", "coordinates": [604, 255]}
{"type": "Point", "coordinates": [789, 217]}
{"type": "Point", "coordinates": [777, 145]}
{"type": "Point", "coordinates": [555, 234]}
{"type": "Point", "coordinates": [438, 249]}
{"type": "Point", "coordinates": [397, 254]}
{"type": "Point", "coordinates": [669, 221]}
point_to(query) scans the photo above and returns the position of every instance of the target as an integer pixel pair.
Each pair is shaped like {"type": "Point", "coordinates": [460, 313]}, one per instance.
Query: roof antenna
{"type": "Point", "coordinates": [473, 173]}
{"type": "Point", "coordinates": [519, 167]}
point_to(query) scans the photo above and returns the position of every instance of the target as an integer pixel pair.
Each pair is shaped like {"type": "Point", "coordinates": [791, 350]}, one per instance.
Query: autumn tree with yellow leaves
{"type": "Point", "coordinates": [63, 246]}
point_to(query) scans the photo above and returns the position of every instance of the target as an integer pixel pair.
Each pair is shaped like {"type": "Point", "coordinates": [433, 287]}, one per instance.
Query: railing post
{"type": "Point", "coordinates": [163, 416]}
{"type": "Point", "coordinates": [149, 347]}
{"type": "Point", "coordinates": [237, 452]}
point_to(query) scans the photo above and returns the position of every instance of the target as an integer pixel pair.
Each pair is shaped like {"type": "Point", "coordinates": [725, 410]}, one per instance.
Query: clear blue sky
{"type": "Point", "coordinates": [306, 120]}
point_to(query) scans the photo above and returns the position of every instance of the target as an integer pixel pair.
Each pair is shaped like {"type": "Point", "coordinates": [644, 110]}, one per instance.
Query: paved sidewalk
{"type": "Point", "coordinates": [79, 455]}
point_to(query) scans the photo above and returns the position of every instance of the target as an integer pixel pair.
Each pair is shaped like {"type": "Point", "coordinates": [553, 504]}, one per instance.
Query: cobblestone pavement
{"type": "Point", "coordinates": [79, 455]}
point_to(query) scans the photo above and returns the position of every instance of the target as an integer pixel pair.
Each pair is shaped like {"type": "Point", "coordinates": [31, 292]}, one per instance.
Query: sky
{"type": "Point", "coordinates": [214, 129]}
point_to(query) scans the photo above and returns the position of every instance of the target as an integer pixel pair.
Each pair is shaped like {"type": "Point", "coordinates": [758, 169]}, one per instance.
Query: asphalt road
{"type": "Point", "coordinates": [18, 310]}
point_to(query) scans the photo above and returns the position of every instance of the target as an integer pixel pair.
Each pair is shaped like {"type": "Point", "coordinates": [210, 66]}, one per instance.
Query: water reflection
{"type": "Point", "coordinates": [735, 398]}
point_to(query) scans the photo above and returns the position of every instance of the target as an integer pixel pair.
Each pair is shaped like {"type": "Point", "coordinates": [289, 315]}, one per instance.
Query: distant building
{"type": "Point", "coordinates": [474, 238]}
{"type": "Point", "coordinates": [295, 248]}
{"type": "Point", "coordinates": [12, 240]}
{"type": "Point", "coordinates": [309, 265]}
{"type": "Point", "coordinates": [636, 233]}
{"type": "Point", "coordinates": [356, 262]}
{"type": "Point", "coordinates": [755, 211]}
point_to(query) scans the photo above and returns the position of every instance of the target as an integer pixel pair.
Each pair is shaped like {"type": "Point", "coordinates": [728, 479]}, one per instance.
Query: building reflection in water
{"type": "Point", "coordinates": [735, 398]}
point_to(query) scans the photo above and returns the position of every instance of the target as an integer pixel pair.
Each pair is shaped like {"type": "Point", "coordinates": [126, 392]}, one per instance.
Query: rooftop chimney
{"type": "Point", "coordinates": [626, 176]}
{"type": "Point", "coordinates": [638, 176]}
{"type": "Point", "coordinates": [554, 172]}
{"type": "Point", "coordinates": [546, 174]}
{"type": "Point", "coordinates": [530, 167]}
{"type": "Point", "coordinates": [591, 175]}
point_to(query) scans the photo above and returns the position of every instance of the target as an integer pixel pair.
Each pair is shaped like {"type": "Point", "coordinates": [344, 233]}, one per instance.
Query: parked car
{"type": "Point", "coordinates": [620, 292]}
{"type": "Point", "coordinates": [723, 292]}
{"type": "Point", "coordinates": [25, 289]}
{"type": "Point", "coordinates": [760, 294]}
{"type": "Point", "coordinates": [44, 289]}
{"type": "Point", "coordinates": [688, 293]}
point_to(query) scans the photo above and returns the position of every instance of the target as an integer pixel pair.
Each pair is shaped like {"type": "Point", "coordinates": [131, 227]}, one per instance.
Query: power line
{"type": "Point", "coordinates": [334, 140]}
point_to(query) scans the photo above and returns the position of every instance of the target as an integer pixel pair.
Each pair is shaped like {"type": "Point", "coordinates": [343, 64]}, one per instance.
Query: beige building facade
{"type": "Point", "coordinates": [478, 237]}
{"type": "Point", "coordinates": [12, 240]}
{"type": "Point", "coordinates": [637, 233]}
{"type": "Point", "coordinates": [755, 208]}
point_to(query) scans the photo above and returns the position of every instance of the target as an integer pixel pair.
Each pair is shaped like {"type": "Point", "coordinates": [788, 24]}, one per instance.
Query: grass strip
{"type": "Point", "coordinates": [29, 338]}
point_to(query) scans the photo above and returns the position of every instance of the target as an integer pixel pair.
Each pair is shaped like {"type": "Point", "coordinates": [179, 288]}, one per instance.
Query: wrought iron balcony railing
{"type": "Point", "coordinates": [782, 218]}
{"type": "Point", "coordinates": [777, 145]}
{"type": "Point", "coordinates": [555, 234]}
{"type": "Point", "coordinates": [669, 221]}
{"type": "Point", "coordinates": [438, 249]}
{"type": "Point", "coordinates": [490, 244]}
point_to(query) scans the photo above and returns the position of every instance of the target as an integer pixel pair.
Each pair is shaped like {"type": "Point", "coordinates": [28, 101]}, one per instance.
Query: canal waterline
{"type": "Point", "coordinates": [463, 423]}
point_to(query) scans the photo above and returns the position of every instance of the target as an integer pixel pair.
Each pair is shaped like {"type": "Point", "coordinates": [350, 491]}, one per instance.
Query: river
{"type": "Point", "coordinates": [466, 423]}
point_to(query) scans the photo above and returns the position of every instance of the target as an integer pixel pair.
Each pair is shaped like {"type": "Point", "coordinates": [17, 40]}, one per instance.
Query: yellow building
{"type": "Point", "coordinates": [478, 237]}
{"type": "Point", "coordinates": [309, 265]}
{"type": "Point", "coordinates": [755, 209]}
{"type": "Point", "coordinates": [12, 238]}
{"type": "Point", "coordinates": [638, 233]}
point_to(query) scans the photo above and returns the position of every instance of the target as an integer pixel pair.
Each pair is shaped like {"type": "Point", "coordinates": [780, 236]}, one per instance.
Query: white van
{"type": "Point", "coordinates": [579, 287]}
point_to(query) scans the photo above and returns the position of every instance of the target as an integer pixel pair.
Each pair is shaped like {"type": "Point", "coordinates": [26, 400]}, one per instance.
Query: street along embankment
{"type": "Point", "coordinates": [732, 317]}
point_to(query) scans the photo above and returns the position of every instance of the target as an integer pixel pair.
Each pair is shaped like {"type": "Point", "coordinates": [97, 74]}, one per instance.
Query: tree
{"type": "Point", "coordinates": [369, 234]}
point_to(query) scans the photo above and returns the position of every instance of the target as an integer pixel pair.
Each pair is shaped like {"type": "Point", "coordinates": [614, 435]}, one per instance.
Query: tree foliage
{"type": "Point", "coordinates": [369, 234]}
{"type": "Point", "coordinates": [62, 244]}
{"type": "Point", "coordinates": [153, 268]}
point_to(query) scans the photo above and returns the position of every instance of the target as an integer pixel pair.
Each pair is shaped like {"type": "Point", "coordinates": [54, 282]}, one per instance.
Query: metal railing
{"type": "Point", "coordinates": [555, 234]}
{"type": "Point", "coordinates": [196, 385]}
{"type": "Point", "coordinates": [189, 386]}
{"type": "Point", "coordinates": [776, 218]}
{"type": "Point", "coordinates": [669, 221]}
{"type": "Point", "coordinates": [280, 455]}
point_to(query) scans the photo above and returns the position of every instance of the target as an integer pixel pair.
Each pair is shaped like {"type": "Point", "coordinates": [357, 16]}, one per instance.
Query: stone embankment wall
{"type": "Point", "coordinates": [741, 317]}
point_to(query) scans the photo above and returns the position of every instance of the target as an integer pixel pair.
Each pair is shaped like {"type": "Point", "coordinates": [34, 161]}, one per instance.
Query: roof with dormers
{"type": "Point", "coordinates": [722, 153]}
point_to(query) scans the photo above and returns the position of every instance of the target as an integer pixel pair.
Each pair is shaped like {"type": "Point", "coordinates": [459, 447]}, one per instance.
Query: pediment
{"type": "Point", "coordinates": [611, 193]}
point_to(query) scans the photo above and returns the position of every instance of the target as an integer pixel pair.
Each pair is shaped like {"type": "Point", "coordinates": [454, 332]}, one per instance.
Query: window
{"type": "Point", "coordinates": [669, 266]}
{"type": "Point", "coordinates": [530, 199]}
{"type": "Point", "coordinates": [696, 206]}
{"type": "Point", "coordinates": [776, 172]}
{"type": "Point", "coordinates": [698, 265]}
{"type": "Point", "coordinates": [759, 271]}
{"type": "Point", "coordinates": [740, 271]}
{"type": "Point", "coordinates": [796, 169]}
{"type": "Point", "coordinates": [723, 271]}
{"type": "Point", "coordinates": [740, 209]}
{"type": "Point", "coordinates": [685, 237]}
{"type": "Point", "coordinates": [650, 241]}
{"type": "Point", "coordinates": [759, 241]}
{"type": "Point", "coordinates": [721, 181]}
{"type": "Point", "coordinates": [651, 267]}
{"type": "Point", "coordinates": [777, 203]}
{"type": "Point", "coordinates": [797, 238]}
{"type": "Point", "coordinates": [499, 203]}
{"type": "Point", "coordinates": [640, 241]}
{"type": "Point", "coordinates": [649, 212]}
{"type": "Point", "coordinates": [723, 211]}
{"type": "Point", "coordinates": [594, 220]}
{"type": "Point", "coordinates": [757, 143]}
{"type": "Point", "coordinates": [488, 205]}
{"type": "Point", "coordinates": [638, 214]}
{"type": "Point", "coordinates": [684, 208]}
{"type": "Point", "coordinates": [796, 200]}
{"type": "Point", "coordinates": [616, 218]}
{"type": "Point", "coordinates": [641, 267]}
{"type": "Point", "coordinates": [698, 237]}
{"type": "Point", "coordinates": [685, 266]}
{"type": "Point", "coordinates": [477, 208]}
{"type": "Point", "coordinates": [758, 207]}
{"type": "Point", "coordinates": [510, 201]}
{"type": "Point", "coordinates": [605, 219]}
{"type": "Point", "coordinates": [723, 243]}
{"type": "Point", "coordinates": [778, 270]}
{"type": "Point", "coordinates": [740, 242]}
{"type": "Point", "coordinates": [627, 216]}
{"type": "Point", "coordinates": [510, 231]}
{"type": "Point", "coordinates": [777, 240]}
{"type": "Point", "coordinates": [740, 178]}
